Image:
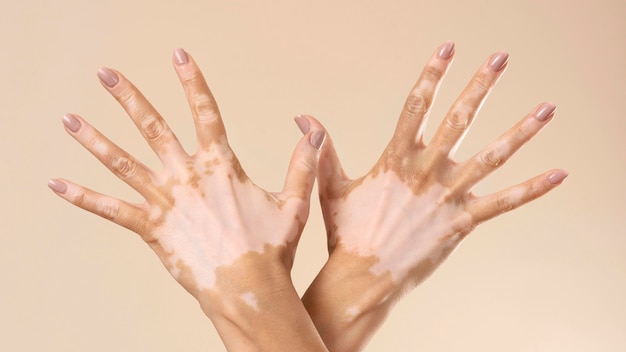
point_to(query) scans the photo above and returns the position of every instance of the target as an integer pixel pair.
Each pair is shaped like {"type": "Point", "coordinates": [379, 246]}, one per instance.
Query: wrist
{"type": "Point", "coordinates": [348, 301]}
{"type": "Point", "coordinates": [254, 306]}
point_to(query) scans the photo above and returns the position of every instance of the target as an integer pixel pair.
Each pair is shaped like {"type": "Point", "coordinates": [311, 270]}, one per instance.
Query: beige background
{"type": "Point", "coordinates": [549, 277]}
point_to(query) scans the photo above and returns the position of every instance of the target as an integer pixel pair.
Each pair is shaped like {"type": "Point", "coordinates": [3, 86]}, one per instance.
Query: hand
{"type": "Point", "coordinates": [391, 228]}
{"type": "Point", "coordinates": [228, 242]}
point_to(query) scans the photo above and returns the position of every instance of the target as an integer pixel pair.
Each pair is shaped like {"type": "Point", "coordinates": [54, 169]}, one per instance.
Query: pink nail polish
{"type": "Point", "coordinates": [557, 176]}
{"type": "Point", "coordinates": [303, 123]}
{"type": "Point", "coordinates": [545, 111]}
{"type": "Point", "coordinates": [108, 77]}
{"type": "Point", "coordinates": [317, 139]}
{"type": "Point", "coordinates": [180, 56]}
{"type": "Point", "coordinates": [446, 50]}
{"type": "Point", "coordinates": [71, 122]}
{"type": "Point", "coordinates": [498, 60]}
{"type": "Point", "coordinates": [57, 186]}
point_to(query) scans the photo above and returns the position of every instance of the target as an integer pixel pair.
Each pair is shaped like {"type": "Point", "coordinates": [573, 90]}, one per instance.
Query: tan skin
{"type": "Point", "coordinates": [228, 242]}
{"type": "Point", "coordinates": [391, 228]}
{"type": "Point", "coordinates": [231, 244]}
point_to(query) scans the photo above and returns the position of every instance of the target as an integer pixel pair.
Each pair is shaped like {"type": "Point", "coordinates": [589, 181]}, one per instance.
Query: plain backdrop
{"type": "Point", "coordinates": [547, 277]}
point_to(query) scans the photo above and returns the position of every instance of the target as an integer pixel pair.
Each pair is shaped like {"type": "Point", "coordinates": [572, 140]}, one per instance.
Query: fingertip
{"type": "Point", "coordinates": [317, 139]}
{"type": "Point", "coordinates": [446, 50]}
{"type": "Point", "coordinates": [180, 57]}
{"type": "Point", "coordinates": [557, 176]}
{"type": "Point", "coordinates": [303, 123]}
{"type": "Point", "coordinates": [57, 186]}
{"type": "Point", "coordinates": [108, 77]}
{"type": "Point", "coordinates": [71, 122]}
{"type": "Point", "coordinates": [545, 111]}
{"type": "Point", "coordinates": [498, 60]}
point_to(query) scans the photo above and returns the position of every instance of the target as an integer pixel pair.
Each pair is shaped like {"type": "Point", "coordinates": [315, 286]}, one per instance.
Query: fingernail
{"type": "Point", "coordinates": [108, 77]}
{"type": "Point", "coordinates": [317, 139]}
{"type": "Point", "coordinates": [446, 50]}
{"type": "Point", "coordinates": [180, 56]}
{"type": "Point", "coordinates": [71, 122]}
{"type": "Point", "coordinates": [545, 111]}
{"type": "Point", "coordinates": [498, 60]}
{"type": "Point", "coordinates": [303, 123]}
{"type": "Point", "coordinates": [557, 177]}
{"type": "Point", "coordinates": [57, 186]}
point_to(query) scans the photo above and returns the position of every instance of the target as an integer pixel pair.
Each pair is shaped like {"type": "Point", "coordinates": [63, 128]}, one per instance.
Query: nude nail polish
{"type": "Point", "coordinates": [498, 60]}
{"type": "Point", "coordinates": [71, 122]}
{"type": "Point", "coordinates": [545, 111]}
{"type": "Point", "coordinates": [446, 50]}
{"type": "Point", "coordinates": [557, 176]}
{"type": "Point", "coordinates": [57, 186]}
{"type": "Point", "coordinates": [180, 56]}
{"type": "Point", "coordinates": [303, 123]}
{"type": "Point", "coordinates": [108, 77]}
{"type": "Point", "coordinates": [317, 139]}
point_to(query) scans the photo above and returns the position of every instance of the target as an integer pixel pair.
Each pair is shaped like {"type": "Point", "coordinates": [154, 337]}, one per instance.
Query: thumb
{"type": "Point", "coordinates": [330, 176]}
{"type": "Point", "coordinates": [304, 160]}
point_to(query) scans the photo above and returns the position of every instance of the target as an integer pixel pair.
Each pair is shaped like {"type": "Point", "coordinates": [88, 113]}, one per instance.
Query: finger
{"type": "Point", "coordinates": [499, 151]}
{"type": "Point", "coordinates": [122, 164]}
{"type": "Point", "coordinates": [209, 126]}
{"type": "Point", "coordinates": [487, 207]}
{"type": "Point", "coordinates": [304, 161]}
{"type": "Point", "coordinates": [118, 211]}
{"type": "Point", "coordinates": [331, 177]}
{"type": "Point", "coordinates": [149, 122]}
{"type": "Point", "coordinates": [462, 113]}
{"type": "Point", "coordinates": [410, 127]}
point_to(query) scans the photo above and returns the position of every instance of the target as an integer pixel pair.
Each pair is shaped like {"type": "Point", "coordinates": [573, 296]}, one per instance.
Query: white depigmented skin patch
{"type": "Point", "coordinates": [204, 231]}
{"type": "Point", "coordinates": [250, 300]}
{"type": "Point", "coordinates": [405, 228]}
{"type": "Point", "coordinates": [353, 311]}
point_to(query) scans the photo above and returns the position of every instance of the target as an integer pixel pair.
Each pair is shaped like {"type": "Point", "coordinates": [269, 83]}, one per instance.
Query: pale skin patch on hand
{"type": "Point", "coordinates": [250, 299]}
{"type": "Point", "coordinates": [402, 230]}
{"type": "Point", "coordinates": [194, 234]}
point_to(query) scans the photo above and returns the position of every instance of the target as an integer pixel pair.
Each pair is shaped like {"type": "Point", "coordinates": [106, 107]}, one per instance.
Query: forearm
{"type": "Point", "coordinates": [347, 302]}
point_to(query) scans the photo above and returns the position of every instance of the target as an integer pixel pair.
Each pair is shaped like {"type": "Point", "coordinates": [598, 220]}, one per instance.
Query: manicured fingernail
{"type": "Point", "coordinates": [446, 50]}
{"type": "Point", "coordinates": [498, 60]}
{"type": "Point", "coordinates": [545, 111]}
{"type": "Point", "coordinates": [557, 177]}
{"type": "Point", "coordinates": [71, 122]}
{"type": "Point", "coordinates": [57, 186]}
{"type": "Point", "coordinates": [317, 139]}
{"type": "Point", "coordinates": [108, 77]}
{"type": "Point", "coordinates": [303, 123]}
{"type": "Point", "coordinates": [180, 56]}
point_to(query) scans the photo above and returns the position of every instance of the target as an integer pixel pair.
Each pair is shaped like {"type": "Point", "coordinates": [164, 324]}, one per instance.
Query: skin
{"type": "Point", "coordinates": [228, 242]}
{"type": "Point", "coordinates": [391, 228]}
{"type": "Point", "coordinates": [231, 244]}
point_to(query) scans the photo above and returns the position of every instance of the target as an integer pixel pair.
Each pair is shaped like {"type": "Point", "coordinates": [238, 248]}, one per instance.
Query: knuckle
{"type": "Point", "coordinates": [433, 73]}
{"type": "Point", "coordinates": [416, 104]}
{"type": "Point", "coordinates": [483, 81]}
{"type": "Point", "coordinates": [153, 128]}
{"type": "Point", "coordinates": [204, 107]}
{"type": "Point", "coordinates": [504, 203]}
{"type": "Point", "coordinates": [108, 210]}
{"type": "Point", "coordinates": [459, 119]}
{"type": "Point", "coordinates": [491, 158]}
{"type": "Point", "coordinates": [523, 132]}
{"type": "Point", "coordinates": [127, 97]}
{"type": "Point", "coordinates": [79, 199]}
{"type": "Point", "coordinates": [125, 167]}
